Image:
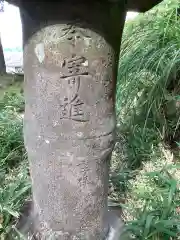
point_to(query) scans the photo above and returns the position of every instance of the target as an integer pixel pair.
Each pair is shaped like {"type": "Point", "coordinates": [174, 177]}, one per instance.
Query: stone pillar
{"type": "Point", "coordinates": [71, 53]}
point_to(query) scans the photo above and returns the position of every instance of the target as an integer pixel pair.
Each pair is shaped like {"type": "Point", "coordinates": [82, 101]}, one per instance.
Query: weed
{"type": "Point", "coordinates": [149, 119]}
{"type": "Point", "coordinates": [13, 192]}
{"type": "Point", "coordinates": [14, 180]}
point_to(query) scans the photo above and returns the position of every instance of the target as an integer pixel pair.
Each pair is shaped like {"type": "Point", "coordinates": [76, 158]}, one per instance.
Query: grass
{"type": "Point", "coordinates": [14, 180]}
{"type": "Point", "coordinates": [146, 175]}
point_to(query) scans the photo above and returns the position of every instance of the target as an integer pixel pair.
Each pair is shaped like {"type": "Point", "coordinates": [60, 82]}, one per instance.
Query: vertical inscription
{"type": "Point", "coordinates": [73, 71]}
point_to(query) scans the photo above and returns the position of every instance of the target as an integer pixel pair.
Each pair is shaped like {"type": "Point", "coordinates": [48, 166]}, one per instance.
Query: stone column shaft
{"type": "Point", "coordinates": [70, 64]}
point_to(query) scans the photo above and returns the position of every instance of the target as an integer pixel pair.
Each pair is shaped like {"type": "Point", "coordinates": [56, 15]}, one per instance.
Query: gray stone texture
{"type": "Point", "coordinates": [70, 64]}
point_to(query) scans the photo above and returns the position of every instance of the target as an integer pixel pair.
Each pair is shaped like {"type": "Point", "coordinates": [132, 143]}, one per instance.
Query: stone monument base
{"type": "Point", "coordinates": [116, 227]}
{"type": "Point", "coordinates": [27, 225]}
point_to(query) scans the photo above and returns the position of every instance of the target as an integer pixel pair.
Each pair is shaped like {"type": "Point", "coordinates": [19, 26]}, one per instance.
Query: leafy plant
{"type": "Point", "coordinates": [148, 112]}
{"type": "Point", "coordinates": [11, 139]}
{"type": "Point", "coordinates": [14, 179]}
{"type": "Point", "coordinates": [158, 217]}
{"type": "Point", "coordinates": [12, 101]}
{"type": "Point", "coordinates": [148, 81]}
{"type": "Point", "coordinates": [12, 197]}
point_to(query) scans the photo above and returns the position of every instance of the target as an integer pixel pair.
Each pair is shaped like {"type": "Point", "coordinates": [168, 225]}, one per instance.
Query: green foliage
{"type": "Point", "coordinates": [14, 180]}
{"type": "Point", "coordinates": [149, 78]}
{"type": "Point", "coordinates": [153, 204]}
{"type": "Point", "coordinates": [13, 192]}
{"type": "Point", "coordinates": [11, 140]}
{"type": "Point", "coordinates": [12, 101]}
{"type": "Point", "coordinates": [148, 107]}
{"type": "Point", "coordinates": [11, 135]}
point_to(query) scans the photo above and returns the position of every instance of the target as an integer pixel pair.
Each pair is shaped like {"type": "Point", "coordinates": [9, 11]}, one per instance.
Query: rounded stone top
{"type": "Point", "coordinates": [136, 5]}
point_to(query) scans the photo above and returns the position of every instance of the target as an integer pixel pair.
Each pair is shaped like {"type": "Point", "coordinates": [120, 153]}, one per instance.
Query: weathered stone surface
{"type": "Point", "coordinates": [70, 76]}
{"type": "Point", "coordinates": [28, 221]}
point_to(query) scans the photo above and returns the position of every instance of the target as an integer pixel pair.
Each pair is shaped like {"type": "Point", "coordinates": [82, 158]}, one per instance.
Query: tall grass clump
{"type": "Point", "coordinates": [148, 111]}
{"type": "Point", "coordinates": [11, 135]}
{"type": "Point", "coordinates": [14, 180]}
{"type": "Point", "coordinates": [148, 92]}
{"type": "Point", "coordinates": [152, 207]}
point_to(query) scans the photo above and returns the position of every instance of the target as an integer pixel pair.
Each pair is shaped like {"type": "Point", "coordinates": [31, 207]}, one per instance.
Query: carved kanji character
{"type": "Point", "coordinates": [74, 67]}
